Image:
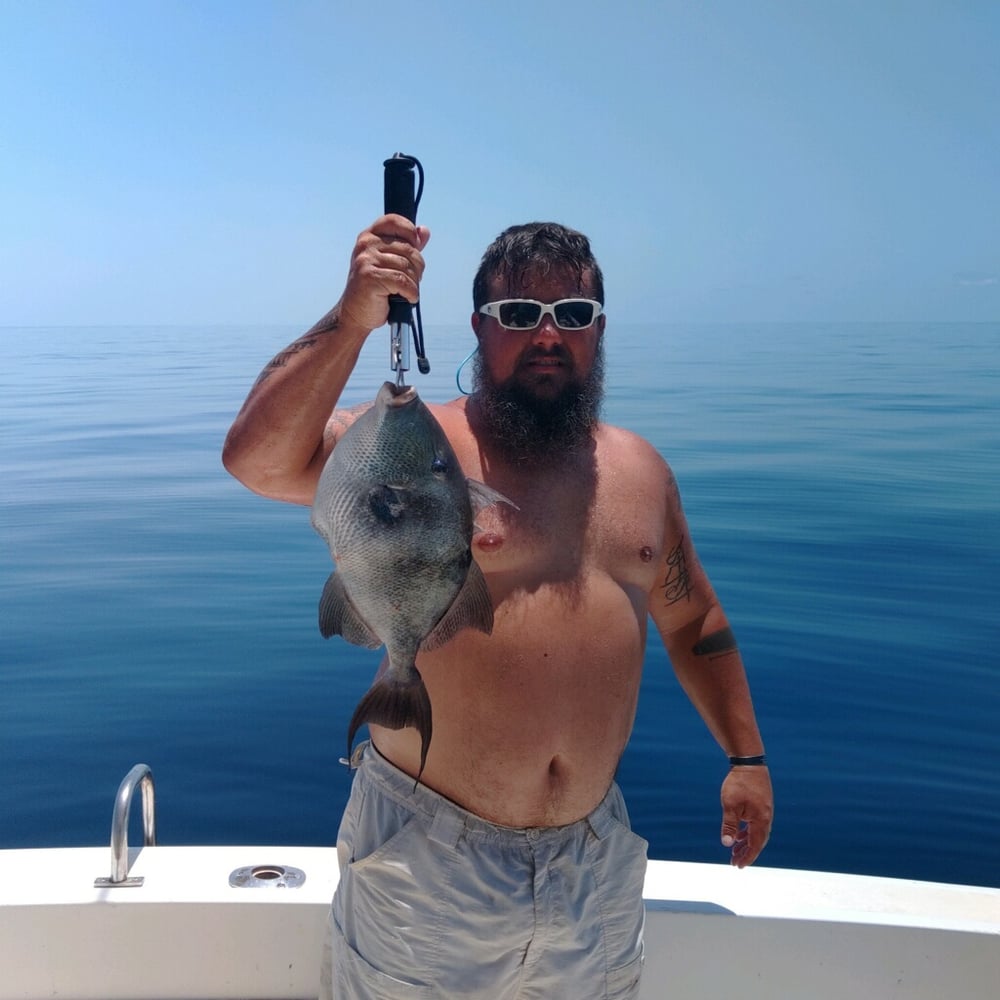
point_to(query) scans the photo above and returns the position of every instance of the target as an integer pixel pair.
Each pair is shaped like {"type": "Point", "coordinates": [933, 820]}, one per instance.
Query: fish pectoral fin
{"type": "Point", "coordinates": [483, 496]}
{"type": "Point", "coordinates": [338, 616]}
{"type": "Point", "coordinates": [472, 608]}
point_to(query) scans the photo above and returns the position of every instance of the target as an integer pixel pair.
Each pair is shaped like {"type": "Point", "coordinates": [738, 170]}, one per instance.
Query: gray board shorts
{"type": "Point", "coordinates": [435, 902]}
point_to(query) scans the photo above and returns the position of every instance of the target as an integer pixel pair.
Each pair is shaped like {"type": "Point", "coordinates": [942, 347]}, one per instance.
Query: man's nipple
{"type": "Point", "coordinates": [488, 541]}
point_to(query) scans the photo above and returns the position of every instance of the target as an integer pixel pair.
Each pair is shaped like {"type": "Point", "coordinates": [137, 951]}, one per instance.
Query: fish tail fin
{"type": "Point", "coordinates": [396, 704]}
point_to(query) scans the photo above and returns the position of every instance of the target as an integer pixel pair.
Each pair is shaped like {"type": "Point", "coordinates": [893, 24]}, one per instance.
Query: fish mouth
{"type": "Point", "coordinates": [398, 395]}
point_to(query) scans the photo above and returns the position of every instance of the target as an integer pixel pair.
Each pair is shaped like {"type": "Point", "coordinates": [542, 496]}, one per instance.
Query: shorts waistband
{"type": "Point", "coordinates": [448, 822]}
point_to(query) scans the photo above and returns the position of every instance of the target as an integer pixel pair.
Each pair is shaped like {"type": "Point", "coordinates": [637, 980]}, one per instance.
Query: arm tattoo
{"type": "Point", "coordinates": [304, 342]}
{"type": "Point", "coordinates": [716, 644]}
{"type": "Point", "coordinates": [281, 359]}
{"type": "Point", "coordinates": [677, 584]}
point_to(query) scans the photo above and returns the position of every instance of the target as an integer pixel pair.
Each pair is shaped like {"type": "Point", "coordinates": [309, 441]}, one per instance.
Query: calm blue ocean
{"type": "Point", "coordinates": [843, 487]}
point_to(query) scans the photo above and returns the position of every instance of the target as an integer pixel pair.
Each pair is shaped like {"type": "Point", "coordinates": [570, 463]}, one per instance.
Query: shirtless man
{"type": "Point", "coordinates": [510, 871]}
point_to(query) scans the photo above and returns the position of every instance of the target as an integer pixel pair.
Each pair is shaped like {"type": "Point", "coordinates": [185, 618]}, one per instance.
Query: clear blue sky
{"type": "Point", "coordinates": [212, 162]}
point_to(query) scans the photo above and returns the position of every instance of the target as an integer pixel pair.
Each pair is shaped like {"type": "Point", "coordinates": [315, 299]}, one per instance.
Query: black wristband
{"type": "Point", "coordinates": [759, 761]}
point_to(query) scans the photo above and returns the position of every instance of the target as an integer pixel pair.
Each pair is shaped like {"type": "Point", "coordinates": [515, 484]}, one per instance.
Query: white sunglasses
{"type": "Point", "coordinates": [526, 314]}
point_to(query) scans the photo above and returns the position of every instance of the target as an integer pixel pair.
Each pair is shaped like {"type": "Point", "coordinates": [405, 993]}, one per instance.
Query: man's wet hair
{"type": "Point", "coordinates": [536, 248]}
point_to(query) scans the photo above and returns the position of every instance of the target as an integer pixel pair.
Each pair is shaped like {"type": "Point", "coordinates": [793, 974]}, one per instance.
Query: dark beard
{"type": "Point", "coordinates": [527, 429]}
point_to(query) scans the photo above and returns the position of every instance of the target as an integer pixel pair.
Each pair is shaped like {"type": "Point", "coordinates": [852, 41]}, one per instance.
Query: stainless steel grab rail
{"type": "Point", "coordinates": [139, 775]}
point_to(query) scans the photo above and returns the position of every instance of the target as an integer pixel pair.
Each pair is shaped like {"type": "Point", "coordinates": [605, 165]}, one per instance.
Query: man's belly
{"type": "Point", "coordinates": [550, 790]}
{"type": "Point", "coordinates": [529, 724]}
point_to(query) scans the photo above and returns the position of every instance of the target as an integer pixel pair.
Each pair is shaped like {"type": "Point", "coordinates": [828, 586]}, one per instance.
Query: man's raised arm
{"type": "Point", "coordinates": [283, 435]}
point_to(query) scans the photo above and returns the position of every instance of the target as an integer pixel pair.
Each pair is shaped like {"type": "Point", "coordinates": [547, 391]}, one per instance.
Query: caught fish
{"type": "Point", "coordinates": [397, 512]}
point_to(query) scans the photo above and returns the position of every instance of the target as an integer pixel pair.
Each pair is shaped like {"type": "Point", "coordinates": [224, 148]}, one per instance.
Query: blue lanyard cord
{"type": "Point", "coordinates": [458, 373]}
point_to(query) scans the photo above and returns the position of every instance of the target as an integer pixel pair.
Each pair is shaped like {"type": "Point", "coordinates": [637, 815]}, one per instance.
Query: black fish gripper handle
{"type": "Point", "coordinates": [400, 199]}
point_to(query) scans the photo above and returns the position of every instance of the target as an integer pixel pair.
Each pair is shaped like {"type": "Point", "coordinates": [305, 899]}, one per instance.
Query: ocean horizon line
{"type": "Point", "coordinates": [264, 325]}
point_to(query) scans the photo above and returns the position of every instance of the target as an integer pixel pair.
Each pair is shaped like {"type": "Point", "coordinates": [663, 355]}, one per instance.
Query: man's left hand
{"type": "Point", "coordinates": [747, 811]}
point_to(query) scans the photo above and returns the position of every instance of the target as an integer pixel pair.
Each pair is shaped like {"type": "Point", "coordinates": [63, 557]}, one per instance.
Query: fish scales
{"type": "Point", "coordinates": [397, 513]}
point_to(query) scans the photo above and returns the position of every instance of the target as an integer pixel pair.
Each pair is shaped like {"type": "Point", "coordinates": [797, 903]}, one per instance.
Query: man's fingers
{"type": "Point", "coordinates": [741, 848]}
{"type": "Point", "coordinates": [747, 842]}
{"type": "Point", "coordinates": [399, 257]}
{"type": "Point", "coordinates": [730, 828]}
{"type": "Point", "coordinates": [387, 260]}
{"type": "Point", "coordinates": [398, 227]}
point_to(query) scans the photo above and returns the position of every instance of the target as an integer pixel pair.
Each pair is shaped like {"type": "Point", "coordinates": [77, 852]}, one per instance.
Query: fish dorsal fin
{"type": "Point", "coordinates": [472, 608]}
{"type": "Point", "coordinates": [338, 616]}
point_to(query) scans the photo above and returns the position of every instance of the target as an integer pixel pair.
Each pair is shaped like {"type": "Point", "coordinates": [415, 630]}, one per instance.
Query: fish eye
{"type": "Point", "coordinates": [439, 465]}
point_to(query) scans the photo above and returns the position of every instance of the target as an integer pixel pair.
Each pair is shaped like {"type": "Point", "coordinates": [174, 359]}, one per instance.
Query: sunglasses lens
{"type": "Point", "coordinates": [574, 314]}
{"type": "Point", "coordinates": [520, 315]}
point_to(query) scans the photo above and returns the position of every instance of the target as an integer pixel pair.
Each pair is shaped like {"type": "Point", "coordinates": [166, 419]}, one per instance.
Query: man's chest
{"type": "Point", "coordinates": [567, 529]}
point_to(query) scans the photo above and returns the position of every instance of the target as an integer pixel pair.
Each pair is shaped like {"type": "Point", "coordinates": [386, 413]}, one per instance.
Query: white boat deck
{"type": "Point", "coordinates": [711, 930]}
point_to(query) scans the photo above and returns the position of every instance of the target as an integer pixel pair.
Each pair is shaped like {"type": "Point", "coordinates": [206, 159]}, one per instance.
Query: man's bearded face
{"type": "Point", "coordinates": [529, 421]}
